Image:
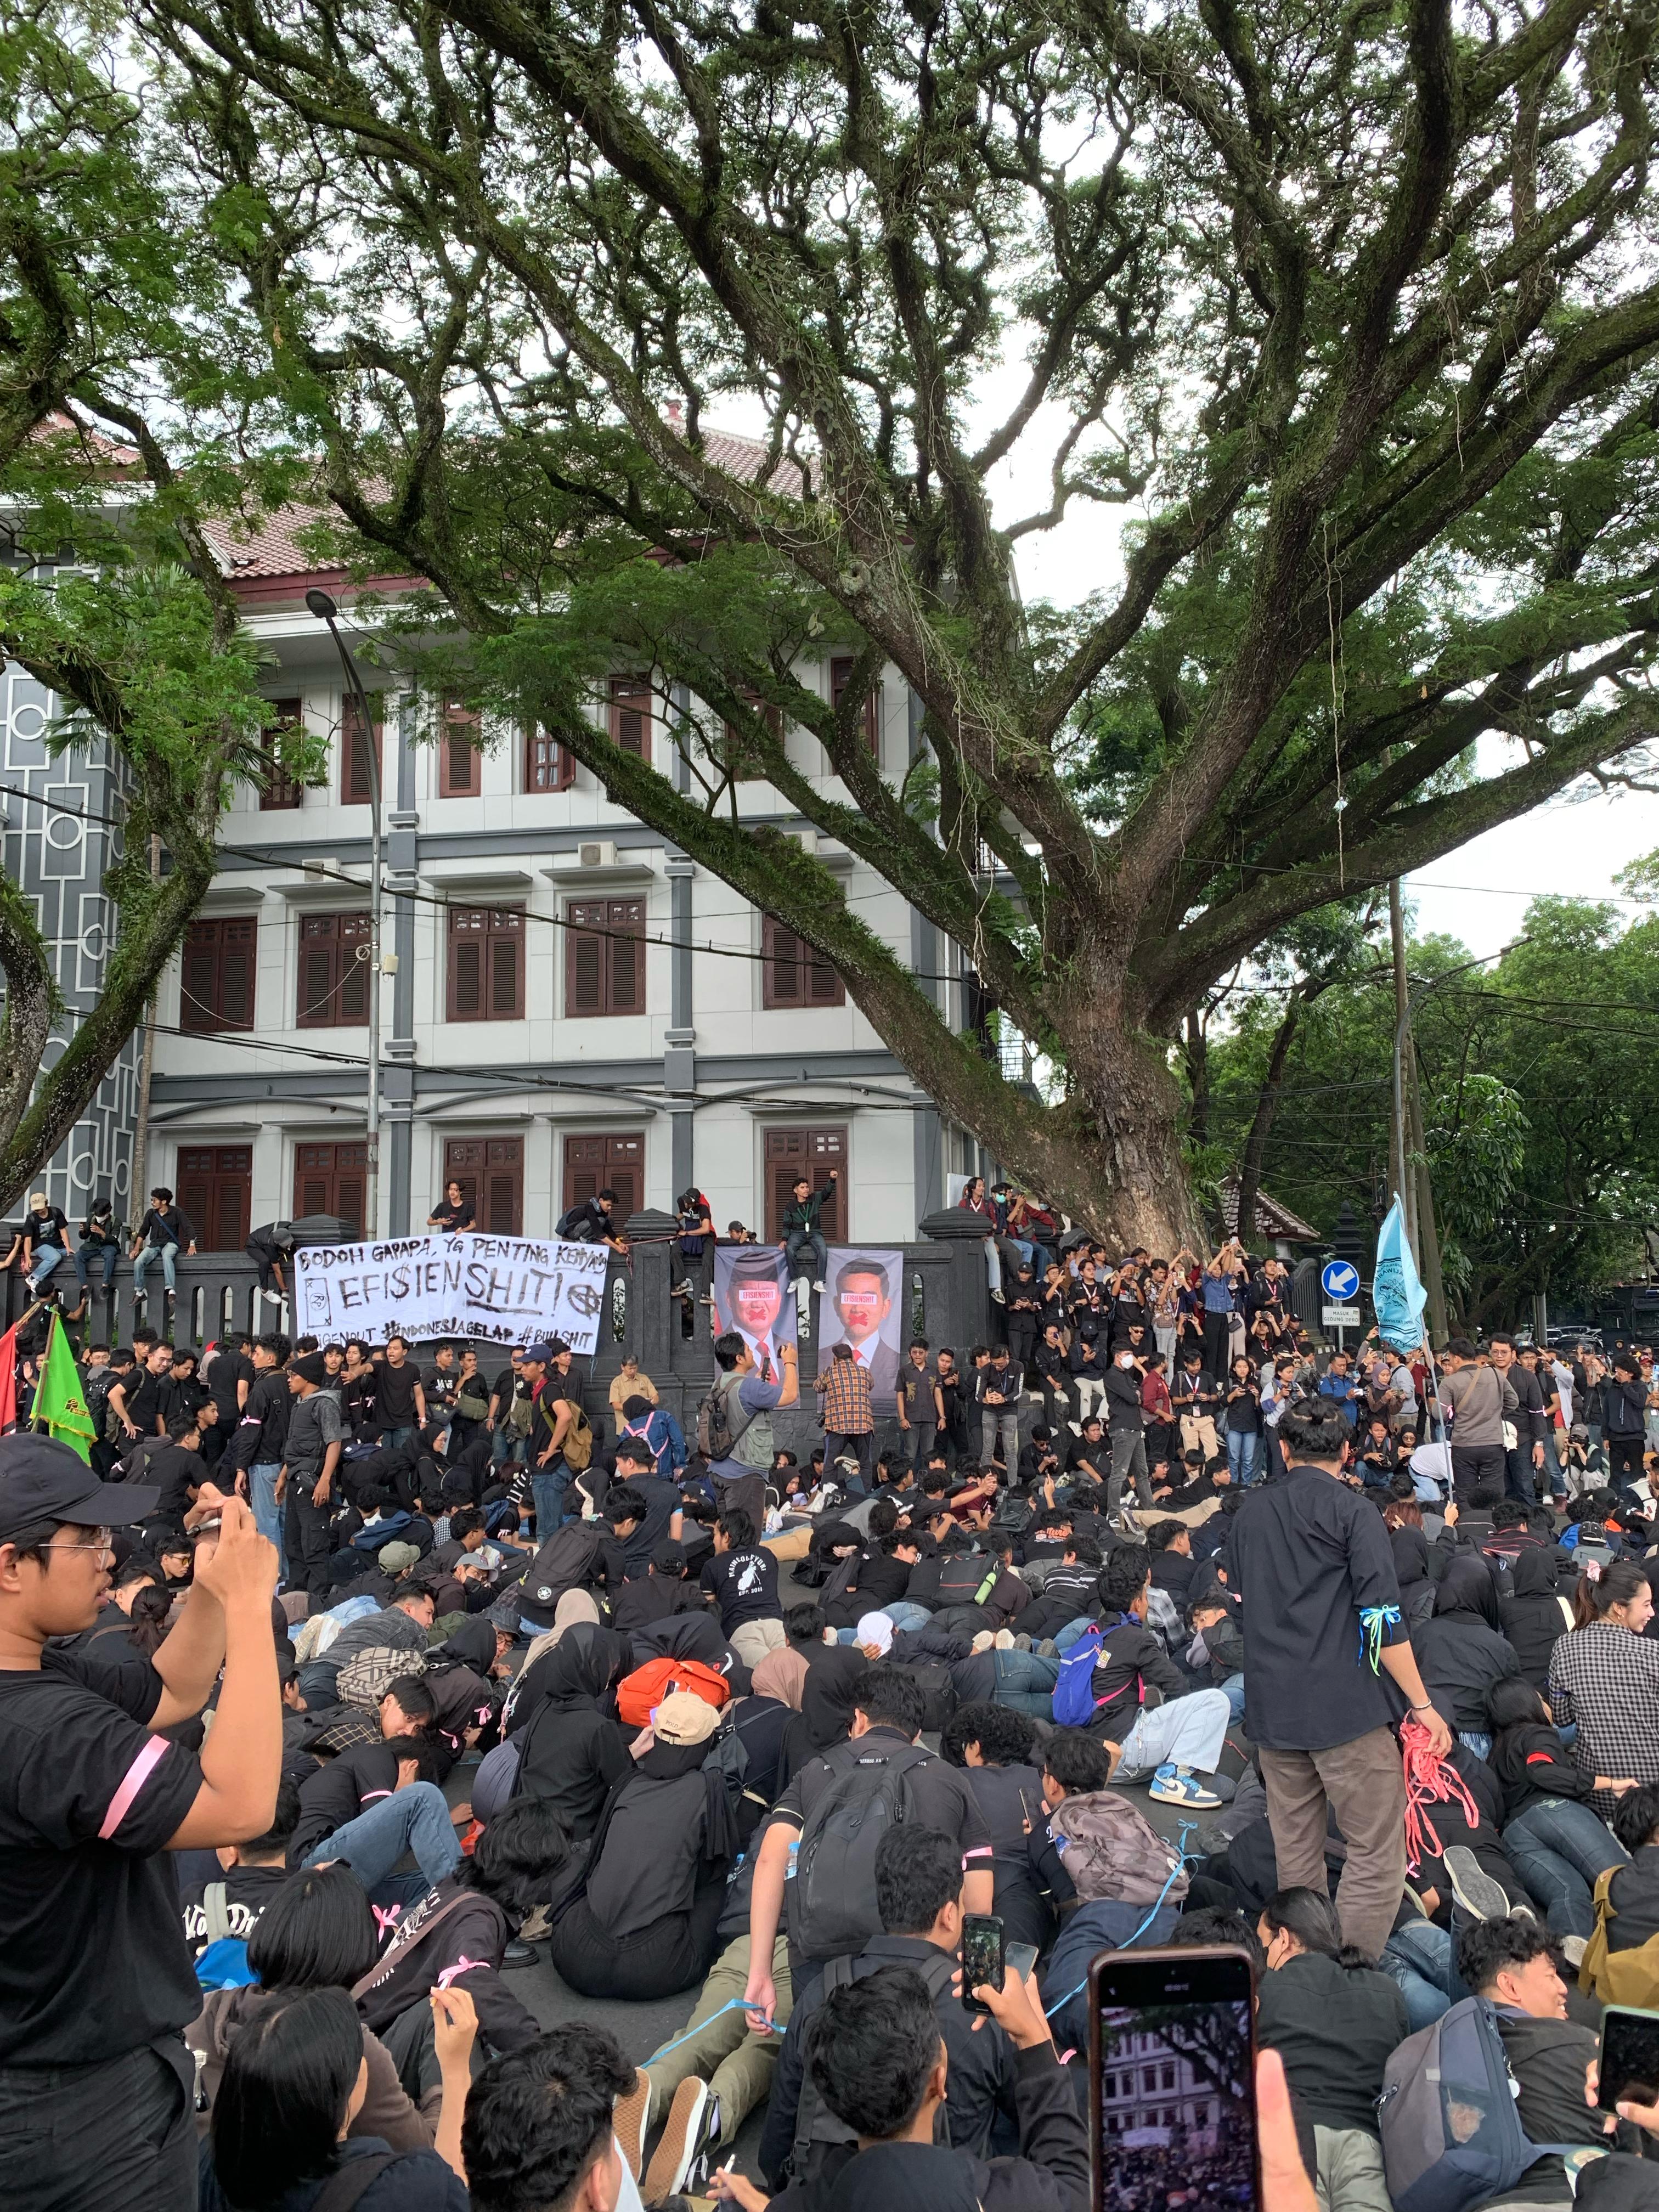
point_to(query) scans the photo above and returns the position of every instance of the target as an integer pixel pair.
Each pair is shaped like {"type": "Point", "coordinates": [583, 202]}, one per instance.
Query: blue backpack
{"type": "Point", "coordinates": [1074, 1701]}
{"type": "Point", "coordinates": [1451, 2135]}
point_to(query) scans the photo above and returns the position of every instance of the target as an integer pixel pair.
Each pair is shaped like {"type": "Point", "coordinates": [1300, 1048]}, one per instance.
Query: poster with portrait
{"type": "Point", "coordinates": [863, 1305]}
{"type": "Point", "coordinates": [753, 1296]}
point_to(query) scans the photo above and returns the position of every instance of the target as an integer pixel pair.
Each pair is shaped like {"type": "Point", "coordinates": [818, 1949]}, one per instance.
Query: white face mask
{"type": "Point", "coordinates": [1126, 1359]}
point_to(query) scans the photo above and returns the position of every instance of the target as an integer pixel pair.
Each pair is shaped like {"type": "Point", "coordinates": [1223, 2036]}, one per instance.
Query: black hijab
{"type": "Point", "coordinates": [1466, 1590]}
{"type": "Point", "coordinates": [833, 1672]}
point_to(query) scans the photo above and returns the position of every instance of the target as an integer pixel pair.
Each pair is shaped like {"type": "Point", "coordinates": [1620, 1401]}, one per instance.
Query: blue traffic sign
{"type": "Point", "coordinates": [1339, 1281]}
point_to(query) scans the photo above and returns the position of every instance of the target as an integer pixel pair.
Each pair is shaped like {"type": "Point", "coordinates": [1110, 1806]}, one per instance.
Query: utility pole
{"type": "Point", "coordinates": [324, 608]}
{"type": "Point", "coordinates": [137, 1174]}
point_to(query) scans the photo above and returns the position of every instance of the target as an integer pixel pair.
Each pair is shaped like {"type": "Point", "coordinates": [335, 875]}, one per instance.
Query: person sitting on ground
{"type": "Point", "coordinates": [1511, 1962]}
{"type": "Point", "coordinates": [373, 1802]}
{"type": "Point", "coordinates": [318, 1931]}
{"type": "Point", "coordinates": [295, 2079]}
{"type": "Point", "coordinates": [541, 2125]}
{"type": "Point", "coordinates": [401, 1627]}
{"type": "Point", "coordinates": [741, 1582]}
{"type": "Point", "coordinates": [1460, 1651]}
{"type": "Point", "coordinates": [1629, 1973]}
{"type": "Point", "coordinates": [1604, 1677]}
{"type": "Point", "coordinates": [1174, 1742]}
{"type": "Point", "coordinates": [919, 1896]}
{"type": "Point", "coordinates": [664, 1591]}
{"type": "Point", "coordinates": [1111, 1878]}
{"type": "Point", "coordinates": [994, 1746]}
{"type": "Point", "coordinates": [1335, 2022]}
{"type": "Point", "coordinates": [1535, 1616]}
{"type": "Point", "coordinates": [1551, 1835]}
{"type": "Point", "coordinates": [878, 2060]}
{"type": "Point", "coordinates": [571, 1752]}
{"type": "Point", "coordinates": [229, 1902]}
{"type": "Point", "coordinates": [887, 1705]}
{"type": "Point", "coordinates": [644, 1926]}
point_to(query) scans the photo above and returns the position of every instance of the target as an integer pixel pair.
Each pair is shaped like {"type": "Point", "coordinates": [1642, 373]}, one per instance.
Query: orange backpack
{"type": "Point", "coordinates": [639, 1694]}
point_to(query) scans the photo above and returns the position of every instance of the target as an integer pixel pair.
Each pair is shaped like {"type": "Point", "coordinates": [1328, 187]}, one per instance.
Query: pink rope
{"type": "Point", "coordinates": [1429, 1781]}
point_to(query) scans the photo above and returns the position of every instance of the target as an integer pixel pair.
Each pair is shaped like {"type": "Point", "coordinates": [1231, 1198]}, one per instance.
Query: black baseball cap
{"type": "Point", "coordinates": [41, 1480]}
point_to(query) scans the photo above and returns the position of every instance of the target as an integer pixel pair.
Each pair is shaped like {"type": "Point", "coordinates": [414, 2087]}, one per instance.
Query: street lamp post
{"type": "Point", "coordinates": [324, 608]}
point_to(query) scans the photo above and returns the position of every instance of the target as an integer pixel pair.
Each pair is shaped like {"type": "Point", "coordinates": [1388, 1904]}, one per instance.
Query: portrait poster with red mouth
{"type": "Point", "coordinates": [862, 1305]}
{"type": "Point", "coordinates": [753, 1296]}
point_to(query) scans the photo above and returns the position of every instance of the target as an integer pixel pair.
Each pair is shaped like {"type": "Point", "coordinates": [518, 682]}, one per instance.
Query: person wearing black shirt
{"type": "Point", "coordinates": [182, 1390]}
{"type": "Point", "coordinates": [454, 1214]}
{"type": "Point", "coordinates": [46, 1228]}
{"type": "Point", "coordinates": [248, 1874]}
{"type": "Point", "coordinates": [509, 1389]}
{"type": "Point", "coordinates": [174, 1469]}
{"type": "Point", "coordinates": [262, 1436]}
{"type": "Point", "coordinates": [643, 1513]}
{"type": "Point", "coordinates": [741, 1582]}
{"type": "Point", "coordinates": [592, 1223]}
{"type": "Point", "coordinates": [1312, 1562]}
{"type": "Point", "coordinates": [399, 1399]}
{"type": "Point", "coordinates": [162, 1233]}
{"type": "Point", "coordinates": [999, 1385]}
{"type": "Point", "coordinates": [229, 1379]}
{"type": "Point", "coordinates": [663, 1592]}
{"type": "Point", "coordinates": [100, 1242]}
{"type": "Point", "coordinates": [96, 1982]}
{"type": "Point", "coordinates": [136, 1400]}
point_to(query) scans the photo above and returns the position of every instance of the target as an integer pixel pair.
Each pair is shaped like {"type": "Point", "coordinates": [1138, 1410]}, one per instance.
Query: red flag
{"type": "Point", "coordinates": [9, 1380]}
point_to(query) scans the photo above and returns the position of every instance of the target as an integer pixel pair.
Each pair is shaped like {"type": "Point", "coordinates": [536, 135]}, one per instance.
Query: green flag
{"type": "Point", "coordinates": [60, 1403]}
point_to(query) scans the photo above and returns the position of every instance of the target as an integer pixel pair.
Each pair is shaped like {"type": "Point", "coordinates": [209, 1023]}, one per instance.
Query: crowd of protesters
{"type": "Point", "coordinates": [349, 1680]}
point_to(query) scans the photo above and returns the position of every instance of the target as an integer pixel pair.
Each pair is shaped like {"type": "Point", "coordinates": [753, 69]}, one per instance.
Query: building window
{"type": "Point", "coordinates": [333, 974]}
{"type": "Point", "coordinates": [812, 1153]}
{"type": "Point", "coordinates": [332, 1179]}
{"type": "Point", "coordinates": [841, 675]}
{"type": "Point", "coordinates": [486, 963]}
{"type": "Point", "coordinates": [791, 974]}
{"type": "Point", "coordinates": [279, 791]}
{"type": "Point", "coordinates": [460, 764]}
{"type": "Point", "coordinates": [548, 765]}
{"type": "Point", "coordinates": [605, 1163]}
{"type": "Point", "coordinates": [1167, 2081]}
{"type": "Point", "coordinates": [356, 787]}
{"type": "Point", "coordinates": [217, 978]}
{"type": "Point", "coordinates": [630, 715]}
{"type": "Point", "coordinates": [490, 1171]}
{"type": "Point", "coordinates": [213, 1183]}
{"type": "Point", "coordinates": [604, 957]}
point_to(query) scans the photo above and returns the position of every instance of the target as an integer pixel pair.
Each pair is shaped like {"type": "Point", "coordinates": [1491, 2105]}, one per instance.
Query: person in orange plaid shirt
{"type": "Point", "coordinates": [849, 1420]}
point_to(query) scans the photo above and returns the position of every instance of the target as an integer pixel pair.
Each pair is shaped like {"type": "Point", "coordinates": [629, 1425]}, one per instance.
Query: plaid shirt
{"type": "Point", "coordinates": [1607, 1680]}
{"type": "Point", "coordinates": [848, 1411]}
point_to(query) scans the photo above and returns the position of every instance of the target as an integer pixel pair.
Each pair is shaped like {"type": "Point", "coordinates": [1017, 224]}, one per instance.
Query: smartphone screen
{"type": "Point", "coordinates": [981, 1955]}
{"type": "Point", "coordinates": [1019, 1959]}
{"type": "Point", "coordinates": [1630, 2057]}
{"type": "Point", "coordinates": [1171, 2078]}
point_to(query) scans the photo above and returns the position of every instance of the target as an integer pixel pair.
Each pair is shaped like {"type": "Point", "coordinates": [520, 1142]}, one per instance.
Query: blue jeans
{"type": "Point", "coordinates": [391, 1438]}
{"type": "Point", "coordinates": [107, 1254]}
{"type": "Point", "coordinates": [803, 1240]}
{"type": "Point", "coordinates": [903, 1614]}
{"type": "Point", "coordinates": [262, 1497]}
{"type": "Point", "coordinates": [47, 1257]}
{"type": "Point", "coordinates": [413, 1819]}
{"type": "Point", "coordinates": [501, 1441]}
{"type": "Point", "coordinates": [1069, 1635]}
{"type": "Point", "coordinates": [1557, 1848]}
{"type": "Point", "coordinates": [1478, 1740]}
{"type": "Point", "coordinates": [1242, 1455]}
{"type": "Point", "coordinates": [547, 1486]}
{"type": "Point", "coordinates": [168, 1256]}
{"type": "Point", "coordinates": [1233, 1690]}
{"type": "Point", "coordinates": [1026, 1682]}
{"type": "Point", "coordinates": [1419, 1959]}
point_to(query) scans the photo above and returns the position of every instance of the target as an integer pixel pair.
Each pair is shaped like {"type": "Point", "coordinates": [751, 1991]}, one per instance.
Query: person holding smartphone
{"type": "Point", "coordinates": [1322, 1605]}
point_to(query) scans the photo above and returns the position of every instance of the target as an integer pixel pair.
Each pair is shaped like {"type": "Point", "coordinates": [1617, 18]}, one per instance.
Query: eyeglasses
{"type": "Point", "coordinates": [102, 1545]}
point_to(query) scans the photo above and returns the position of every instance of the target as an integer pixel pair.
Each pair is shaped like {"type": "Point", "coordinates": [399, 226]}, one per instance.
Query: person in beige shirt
{"type": "Point", "coordinates": [1478, 1401]}
{"type": "Point", "coordinates": [630, 1384]}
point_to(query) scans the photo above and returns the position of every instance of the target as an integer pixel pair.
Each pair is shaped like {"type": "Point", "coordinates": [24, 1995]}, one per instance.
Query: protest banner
{"type": "Point", "coordinates": [495, 1290]}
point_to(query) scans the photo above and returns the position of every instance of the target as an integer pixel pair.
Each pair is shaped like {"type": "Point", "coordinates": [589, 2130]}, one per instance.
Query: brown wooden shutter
{"type": "Point", "coordinates": [355, 787]}
{"type": "Point", "coordinates": [238, 957]}
{"type": "Point", "coordinates": [467, 927]}
{"type": "Point", "coordinates": [198, 998]}
{"type": "Point", "coordinates": [277, 790]}
{"type": "Point", "coordinates": [823, 984]}
{"type": "Point", "coordinates": [317, 1008]}
{"type": "Point", "coordinates": [460, 764]}
{"type": "Point", "coordinates": [630, 714]}
{"type": "Point", "coordinates": [504, 967]}
{"type": "Point", "coordinates": [353, 970]}
{"type": "Point", "coordinates": [627, 956]}
{"type": "Point", "coordinates": [585, 963]}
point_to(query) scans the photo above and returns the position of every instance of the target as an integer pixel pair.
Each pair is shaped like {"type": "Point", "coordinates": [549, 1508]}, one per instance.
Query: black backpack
{"type": "Point", "coordinates": [833, 1896]}
{"type": "Point", "coordinates": [937, 1687]}
{"type": "Point", "coordinates": [816, 2126]}
{"type": "Point", "coordinates": [968, 1579]}
{"type": "Point", "coordinates": [565, 1562]}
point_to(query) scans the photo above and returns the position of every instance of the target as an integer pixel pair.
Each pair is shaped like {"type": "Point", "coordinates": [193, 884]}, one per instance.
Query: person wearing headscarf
{"type": "Point", "coordinates": [657, 1873]}
{"type": "Point", "coordinates": [1537, 1614]}
{"type": "Point", "coordinates": [782, 1674]}
{"type": "Point", "coordinates": [1462, 1650]}
{"type": "Point", "coordinates": [571, 1751]}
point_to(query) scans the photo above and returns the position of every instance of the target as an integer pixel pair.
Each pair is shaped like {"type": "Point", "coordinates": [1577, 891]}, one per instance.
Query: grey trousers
{"type": "Point", "coordinates": [1364, 1784]}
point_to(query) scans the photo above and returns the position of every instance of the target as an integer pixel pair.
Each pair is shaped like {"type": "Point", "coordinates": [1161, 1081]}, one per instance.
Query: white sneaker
{"type": "Point", "coordinates": [818, 1287]}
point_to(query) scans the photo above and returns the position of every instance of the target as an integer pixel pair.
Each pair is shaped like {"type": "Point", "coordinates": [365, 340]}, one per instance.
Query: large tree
{"type": "Point", "coordinates": [1344, 310]}
{"type": "Point", "coordinates": [104, 310]}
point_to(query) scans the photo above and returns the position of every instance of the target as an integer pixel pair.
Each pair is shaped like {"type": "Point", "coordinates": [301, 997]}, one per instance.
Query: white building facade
{"type": "Point", "coordinates": [575, 1003]}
